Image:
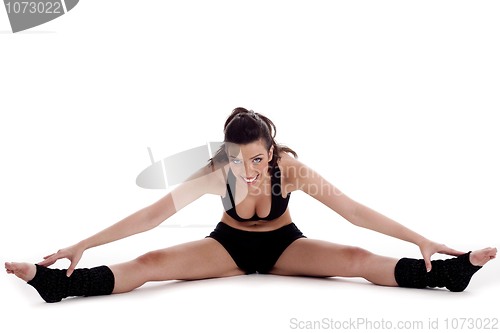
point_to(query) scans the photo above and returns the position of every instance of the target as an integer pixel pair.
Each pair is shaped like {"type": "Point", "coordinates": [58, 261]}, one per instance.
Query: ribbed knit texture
{"type": "Point", "coordinates": [453, 274]}
{"type": "Point", "coordinates": [53, 285]}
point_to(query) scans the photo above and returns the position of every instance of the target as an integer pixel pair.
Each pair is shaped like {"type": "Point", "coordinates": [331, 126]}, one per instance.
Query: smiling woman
{"type": "Point", "coordinates": [255, 177]}
{"type": "Point", "coordinates": [245, 126]}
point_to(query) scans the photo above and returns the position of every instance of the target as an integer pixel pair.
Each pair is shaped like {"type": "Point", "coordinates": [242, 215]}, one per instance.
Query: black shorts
{"type": "Point", "coordinates": [255, 251]}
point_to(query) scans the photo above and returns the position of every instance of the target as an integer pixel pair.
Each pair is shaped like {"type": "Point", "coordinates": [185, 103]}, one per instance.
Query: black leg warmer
{"type": "Point", "coordinates": [53, 284]}
{"type": "Point", "coordinates": [454, 274]}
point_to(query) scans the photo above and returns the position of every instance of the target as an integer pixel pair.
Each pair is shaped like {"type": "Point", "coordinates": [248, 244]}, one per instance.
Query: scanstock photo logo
{"type": "Point", "coordinates": [25, 15]}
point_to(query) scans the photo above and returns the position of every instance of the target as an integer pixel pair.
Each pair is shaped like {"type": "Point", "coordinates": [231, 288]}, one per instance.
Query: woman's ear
{"type": "Point", "coordinates": [270, 154]}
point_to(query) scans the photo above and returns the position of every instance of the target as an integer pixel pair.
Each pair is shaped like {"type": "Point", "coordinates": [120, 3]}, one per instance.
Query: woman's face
{"type": "Point", "coordinates": [249, 162]}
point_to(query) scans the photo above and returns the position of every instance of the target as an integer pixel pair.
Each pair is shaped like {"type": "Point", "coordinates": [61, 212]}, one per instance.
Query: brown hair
{"type": "Point", "coordinates": [244, 126]}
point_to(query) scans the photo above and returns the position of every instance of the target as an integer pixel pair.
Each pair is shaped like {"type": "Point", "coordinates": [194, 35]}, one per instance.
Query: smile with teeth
{"type": "Point", "coordinates": [250, 180]}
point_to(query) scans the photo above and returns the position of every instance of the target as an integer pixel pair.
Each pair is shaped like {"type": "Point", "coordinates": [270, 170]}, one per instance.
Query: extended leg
{"type": "Point", "coordinates": [195, 260]}
{"type": "Point", "coordinates": [310, 257]}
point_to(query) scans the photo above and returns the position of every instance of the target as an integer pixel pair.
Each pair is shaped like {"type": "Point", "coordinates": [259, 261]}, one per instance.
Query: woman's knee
{"type": "Point", "coordinates": [151, 259]}
{"type": "Point", "coordinates": [358, 257]}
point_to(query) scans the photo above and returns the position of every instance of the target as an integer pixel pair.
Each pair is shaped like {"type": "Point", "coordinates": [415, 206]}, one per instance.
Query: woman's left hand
{"type": "Point", "coordinates": [428, 248]}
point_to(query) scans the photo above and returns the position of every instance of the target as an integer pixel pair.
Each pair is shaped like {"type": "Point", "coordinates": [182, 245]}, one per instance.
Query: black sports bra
{"type": "Point", "coordinates": [278, 203]}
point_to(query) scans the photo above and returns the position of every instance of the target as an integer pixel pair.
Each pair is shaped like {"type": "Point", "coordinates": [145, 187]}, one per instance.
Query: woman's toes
{"type": "Point", "coordinates": [481, 257]}
{"type": "Point", "coordinates": [23, 271]}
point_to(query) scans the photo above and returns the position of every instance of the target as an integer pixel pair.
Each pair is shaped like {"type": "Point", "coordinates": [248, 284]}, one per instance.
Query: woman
{"type": "Point", "coordinates": [254, 177]}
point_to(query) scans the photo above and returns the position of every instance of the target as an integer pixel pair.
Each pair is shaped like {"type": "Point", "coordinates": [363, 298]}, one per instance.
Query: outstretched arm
{"type": "Point", "coordinates": [140, 221]}
{"type": "Point", "coordinates": [318, 187]}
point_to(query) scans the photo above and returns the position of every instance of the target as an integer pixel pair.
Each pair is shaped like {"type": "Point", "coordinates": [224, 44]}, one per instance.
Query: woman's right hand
{"type": "Point", "coordinates": [73, 254]}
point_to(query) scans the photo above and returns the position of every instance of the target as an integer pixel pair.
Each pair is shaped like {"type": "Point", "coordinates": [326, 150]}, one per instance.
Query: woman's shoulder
{"type": "Point", "coordinates": [292, 171]}
{"type": "Point", "coordinates": [289, 164]}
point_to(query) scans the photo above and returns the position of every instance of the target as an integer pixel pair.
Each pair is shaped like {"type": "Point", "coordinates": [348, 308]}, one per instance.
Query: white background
{"type": "Point", "coordinates": [393, 101]}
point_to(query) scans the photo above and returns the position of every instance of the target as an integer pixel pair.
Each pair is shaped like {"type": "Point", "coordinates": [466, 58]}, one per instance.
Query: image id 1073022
{"type": "Point", "coordinates": [25, 15]}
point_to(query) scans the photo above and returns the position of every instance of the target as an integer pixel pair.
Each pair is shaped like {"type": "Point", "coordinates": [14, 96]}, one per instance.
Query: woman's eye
{"type": "Point", "coordinates": [236, 161]}
{"type": "Point", "coordinates": [257, 160]}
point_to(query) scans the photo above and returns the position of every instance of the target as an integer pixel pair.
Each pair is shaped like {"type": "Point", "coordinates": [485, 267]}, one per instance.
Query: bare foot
{"type": "Point", "coordinates": [481, 257]}
{"type": "Point", "coordinates": [22, 270]}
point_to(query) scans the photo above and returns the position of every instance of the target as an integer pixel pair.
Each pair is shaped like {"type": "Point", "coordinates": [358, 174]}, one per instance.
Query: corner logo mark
{"type": "Point", "coordinates": [28, 14]}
